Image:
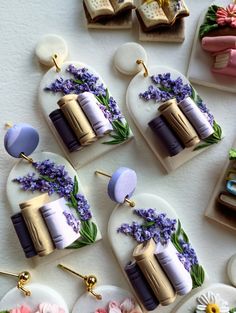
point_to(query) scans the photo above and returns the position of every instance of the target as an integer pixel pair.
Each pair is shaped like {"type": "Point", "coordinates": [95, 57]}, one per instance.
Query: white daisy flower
{"type": "Point", "coordinates": [211, 303]}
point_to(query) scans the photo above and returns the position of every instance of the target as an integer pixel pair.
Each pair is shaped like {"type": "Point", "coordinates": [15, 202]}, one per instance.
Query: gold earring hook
{"type": "Point", "coordinates": [145, 74]}
{"type": "Point", "coordinates": [23, 156]}
{"type": "Point", "coordinates": [8, 125]}
{"type": "Point", "coordinates": [55, 62]}
{"type": "Point", "coordinates": [90, 281]}
{"type": "Point", "coordinates": [130, 202]}
{"type": "Point", "coordinates": [23, 278]}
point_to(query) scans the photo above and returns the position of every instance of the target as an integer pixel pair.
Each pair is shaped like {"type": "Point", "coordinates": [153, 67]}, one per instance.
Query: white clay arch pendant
{"type": "Point", "coordinates": [166, 109]}
{"type": "Point", "coordinates": [150, 244]}
{"type": "Point", "coordinates": [87, 121]}
{"type": "Point", "coordinates": [42, 299]}
{"type": "Point", "coordinates": [50, 214]}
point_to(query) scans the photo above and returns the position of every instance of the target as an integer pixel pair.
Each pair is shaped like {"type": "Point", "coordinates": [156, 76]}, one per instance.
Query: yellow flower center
{"type": "Point", "coordinates": [212, 308]}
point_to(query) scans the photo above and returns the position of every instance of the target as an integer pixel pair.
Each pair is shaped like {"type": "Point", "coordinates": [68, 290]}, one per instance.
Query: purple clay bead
{"type": "Point", "coordinates": [23, 235]}
{"type": "Point", "coordinates": [21, 138]}
{"type": "Point", "coordinates": [63, 234]}
{"type": "Point", "coordinates": [64, 130]}
{"type": "Point", "coordinates": [196, 118]}
{"type": "Point", "coordinates": [141, 286]}
{"type": "Point", "coordinates": [122, 184]}
{"type": "Point", "coordinates": [162, 130]}
{"type": "Point", "coordinates": [99, 122]}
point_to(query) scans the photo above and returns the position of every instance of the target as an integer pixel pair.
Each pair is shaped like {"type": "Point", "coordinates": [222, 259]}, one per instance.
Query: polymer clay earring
{"type": "Point", "coordinates": [213, 58]}
{"type": "Point", "coordinates": [44, 225]}
{"type": "Point", "coordinates": [33, 298]}
{"type": "Point", "coordinates": [152, 261]}
{"type": "Point", "coordinates": [166, 108]}
{"type": "Point", "coordinates": [78, 105]}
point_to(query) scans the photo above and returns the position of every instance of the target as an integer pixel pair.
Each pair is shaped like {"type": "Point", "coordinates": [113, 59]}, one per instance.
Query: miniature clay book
{"type": "Point", "coordinates": [212, 61]}
{"type": "Point", "coordinates": [222, 205]}
{"type": "Point", "coordinates": [155, 14]}
{"type": "Point", "coordinates": [102, 9]}
{"type": "Point", "coordinates": [218, 36]}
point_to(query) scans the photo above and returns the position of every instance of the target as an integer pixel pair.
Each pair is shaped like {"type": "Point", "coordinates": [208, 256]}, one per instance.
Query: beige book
{"type": "Point", "coordinates": [119, 6]}
{"type": "Point", "coordinates": [157, 279]}
{"type": "Point", "coordinates": [175, 9]}
{"type": "Point", "coordinates": [152, 14]}
{"type": "Point", "coordinates": [97, 8]}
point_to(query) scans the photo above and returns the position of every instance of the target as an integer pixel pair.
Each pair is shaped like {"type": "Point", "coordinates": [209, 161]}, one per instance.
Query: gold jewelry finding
{"type": "Point", "coordinates": [130, 202]}
{"type": "Point", "coordinates": [145, 74]}
{"type": "Point", "coordinates": [23, 278]}
{"type": "Point", "coordinates": [55, 62]}
{"type": "Point", "coordinates": [23, 156]}
{"type": "Point", "coordinates": [8, 125]}
{"type": "Point", "coordinates": [90, 281]}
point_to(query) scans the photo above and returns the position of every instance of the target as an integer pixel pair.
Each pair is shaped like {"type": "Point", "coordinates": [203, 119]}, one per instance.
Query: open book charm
{"type": "Point", "coordinates": [162, 20]}
{"type": "Point", "coordinates": [109, 14]}
{"type": "Point", "coordinates": [79, 107]}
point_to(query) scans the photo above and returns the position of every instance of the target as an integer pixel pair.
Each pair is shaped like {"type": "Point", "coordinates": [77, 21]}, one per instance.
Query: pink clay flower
{"type": "Point", "coordinates": [100, 311]}
{"type": "Point", "coordinates": [227, 16]}
{"type": "Point", "coordinates": [49, 308]}
{"type": "Point", "coordinates": [21, 309]}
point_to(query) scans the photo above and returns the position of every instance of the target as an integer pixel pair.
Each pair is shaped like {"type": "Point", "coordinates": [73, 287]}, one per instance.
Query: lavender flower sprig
{"type": "Point", "coordinates": [54, 178]}
{"type": "Point", "coordinates": [82, 80]}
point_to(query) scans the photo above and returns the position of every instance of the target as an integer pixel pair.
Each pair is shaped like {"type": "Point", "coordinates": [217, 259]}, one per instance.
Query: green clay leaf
{"type": "Point", "coordinates": [198, 275]}
{"type": "Point", "coordinates": [73, 201]}
{"type": "Point", "coordinates": [210, 22]}
{"type": "Point", "coordinates": [233, 310]}
{"type": "Point", "coordinates": [75, 186]}
{"type": "Point", "coordinates": [232, 154]}
{"type": "Point", "coordinates": [78, 81]}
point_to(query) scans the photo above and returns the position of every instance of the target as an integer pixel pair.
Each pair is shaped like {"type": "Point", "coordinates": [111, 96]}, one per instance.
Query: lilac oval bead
{"type": "Point", "coordinates": [99, 122]}
{"type": "Point", "coordinates": [21, 138]}
{"type": "Point", "coordinates": [196, 118]}
{"type": "Point", "coordinates": [61, 232]}
{"type": "Point", "coordinates": [161, 129]}
{"type": "Point", "coordinates": [122, 184]}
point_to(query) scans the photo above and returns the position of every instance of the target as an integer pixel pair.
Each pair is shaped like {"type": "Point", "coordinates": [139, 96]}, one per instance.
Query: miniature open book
{"type": "Point", "coordinates": [104, 9]}
{"type": "Point", "coordinates": [156, 13]}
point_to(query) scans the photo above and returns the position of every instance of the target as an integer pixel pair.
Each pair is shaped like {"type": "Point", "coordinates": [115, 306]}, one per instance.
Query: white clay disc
{"type": "Point", "coordinates": [231, 270]}
{"type": "Point", "coordinates": [88, 304]}
{"type": "Point", "coordinates": [126, 56]}
{"type": "Point", "coordinates": [49, 46]}
{"type": "Point", "coordinates": [40, 294]}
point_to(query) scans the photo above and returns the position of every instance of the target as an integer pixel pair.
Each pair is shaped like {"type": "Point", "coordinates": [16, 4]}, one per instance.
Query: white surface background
{"type": "Point", "coordinates": [188, 189]}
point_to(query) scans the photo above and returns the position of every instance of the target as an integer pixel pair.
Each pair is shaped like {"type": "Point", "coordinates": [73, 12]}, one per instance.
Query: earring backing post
{"type": "Point", "coordinates": [23, 279]}
{"type": "Point", "coordinates": [130, 202]}
{"type": "Point", "coordinates": [145, 74]}
{"type": "Point", "coordinates": [90, 281]}
{"type": "Point", "coordinates": [54, 59]}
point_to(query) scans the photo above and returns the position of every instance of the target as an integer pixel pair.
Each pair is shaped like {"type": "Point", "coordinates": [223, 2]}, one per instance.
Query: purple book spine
{"type": "Point", "coordinates": [196, 118]}
{"type": "Point", "coordinates": [141, 286]}
{"type": "Point", "coordinates": [23, 235]}
{"type": "Point", "coordinates": [161, 129]}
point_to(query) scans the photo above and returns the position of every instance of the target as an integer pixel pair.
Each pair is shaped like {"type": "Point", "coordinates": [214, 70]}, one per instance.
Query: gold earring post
{"type": "Point", "coordinates": [145, 74]}
{"type": "Point", "coordinates": [23, 156]}
{"type": "Point", "coordinates": [55, 62]}
{"type": "Point", "coordinates": [90, 281]}
{"type": "Point", "coordinates": [130, 202]}
{"type": "Point", "coordinates": [23, 279]}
